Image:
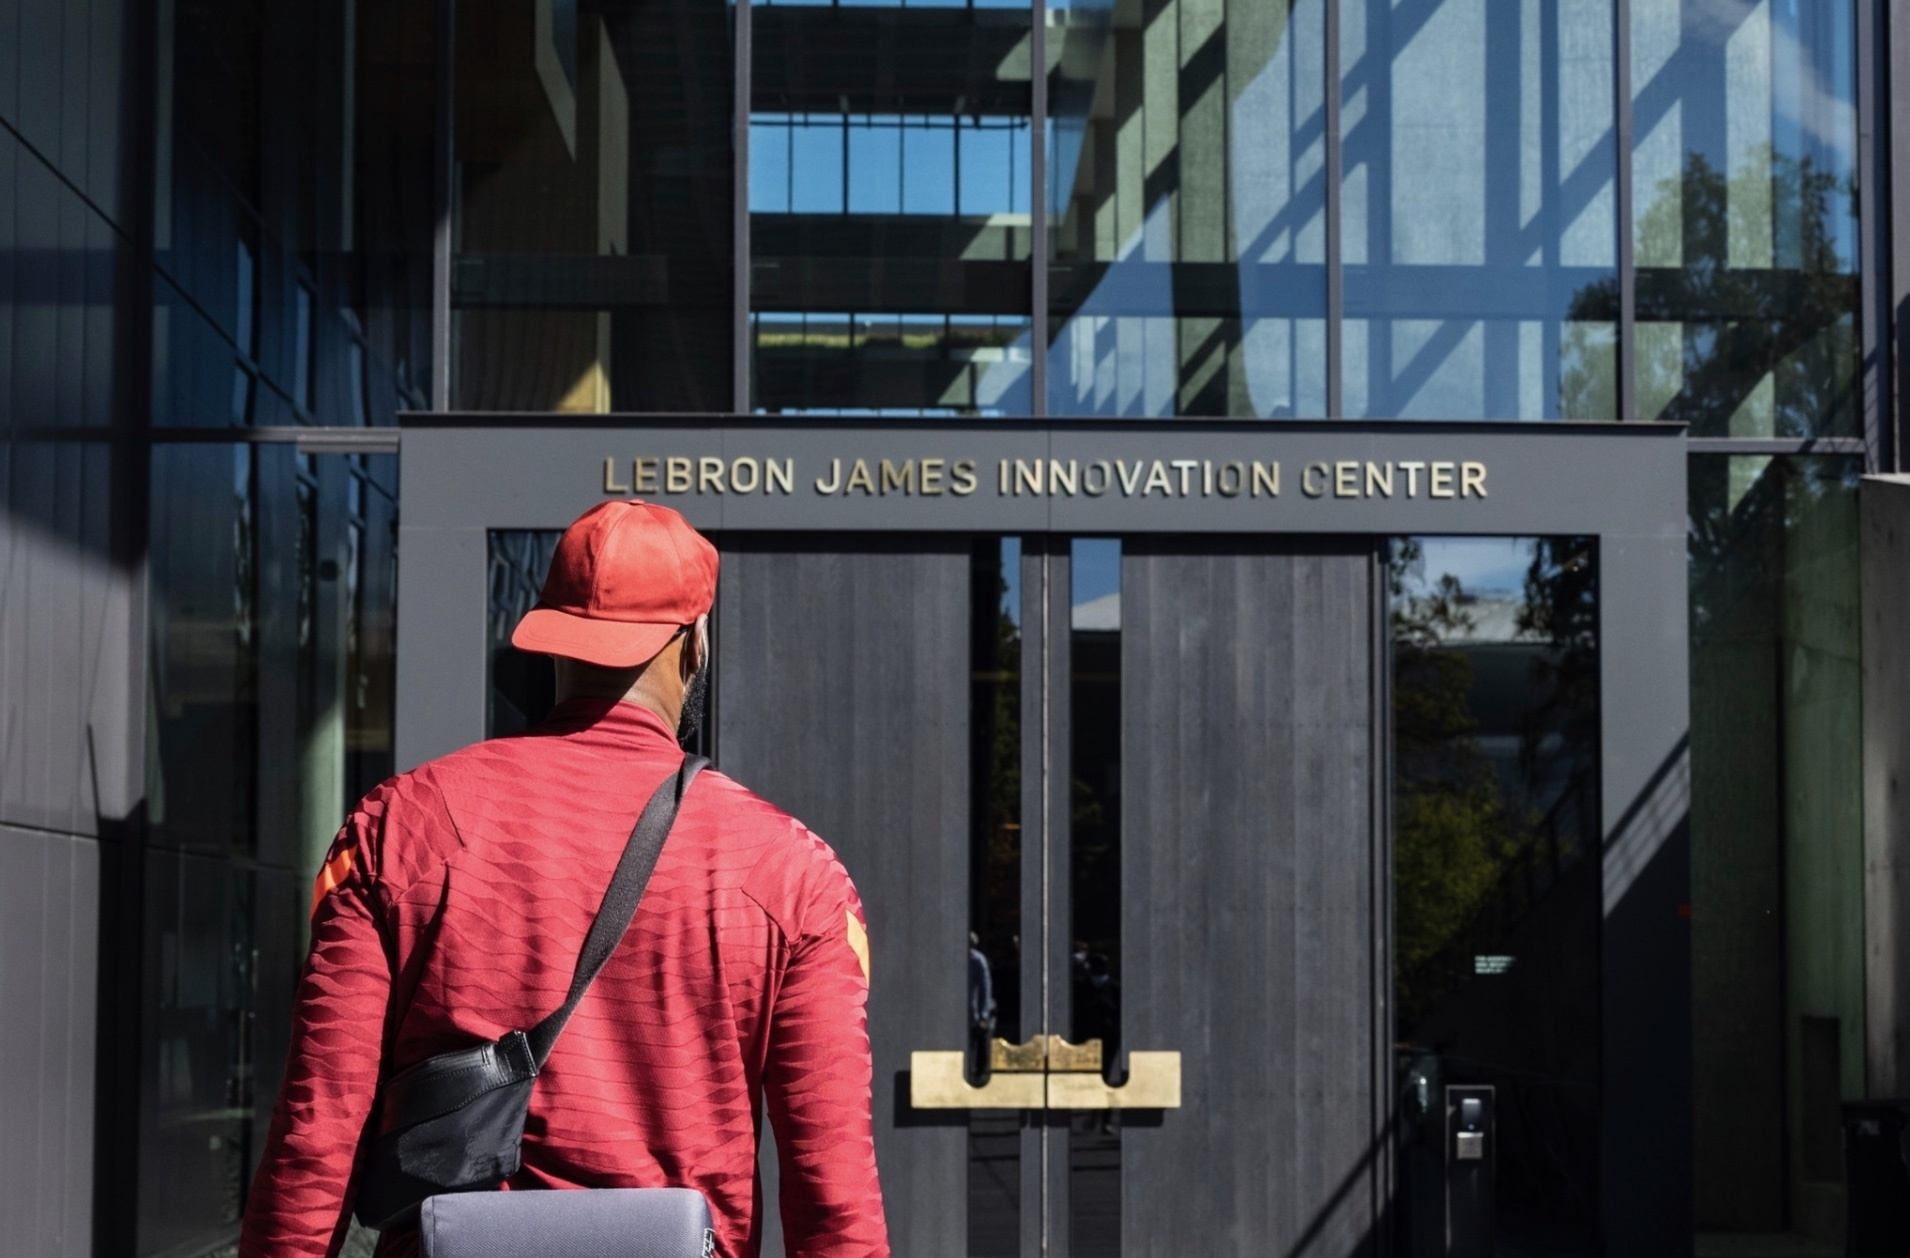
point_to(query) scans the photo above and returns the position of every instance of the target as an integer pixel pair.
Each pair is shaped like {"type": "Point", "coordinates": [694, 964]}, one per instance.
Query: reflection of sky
{"type": "Point", "coordinates": [1095, 578]}
{"type": "Point", "coordinates": [895, 164]}
{"type": "Point", "coordinates": [1484, 566]}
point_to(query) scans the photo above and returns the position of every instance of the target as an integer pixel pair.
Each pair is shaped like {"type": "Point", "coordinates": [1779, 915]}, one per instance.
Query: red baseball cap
{"type": "Point", "coordinates": [626, 576]}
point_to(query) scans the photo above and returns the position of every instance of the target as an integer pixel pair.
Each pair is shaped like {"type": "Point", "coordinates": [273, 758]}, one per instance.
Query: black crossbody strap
{"type": "Point", "coordinates": [620, 899]}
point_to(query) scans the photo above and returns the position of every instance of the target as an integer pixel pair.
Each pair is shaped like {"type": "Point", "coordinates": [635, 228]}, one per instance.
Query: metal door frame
{"type": "Point", "coordinates": [464, 475]}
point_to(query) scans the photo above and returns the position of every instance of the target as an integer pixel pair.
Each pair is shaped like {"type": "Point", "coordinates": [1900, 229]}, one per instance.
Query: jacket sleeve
{"type": "Point", "coordinates": [298, 1200]}
{"type": "Point", "coordinates": [817, 1079]}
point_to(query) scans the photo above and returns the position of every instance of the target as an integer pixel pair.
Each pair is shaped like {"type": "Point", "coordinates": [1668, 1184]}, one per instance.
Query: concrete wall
{"type": "Point", "coordinates": [1885, 508]}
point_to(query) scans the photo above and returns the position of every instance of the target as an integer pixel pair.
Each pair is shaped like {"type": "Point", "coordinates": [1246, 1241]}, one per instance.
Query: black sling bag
{"type": "Point", "coordinates": [455, 1122]}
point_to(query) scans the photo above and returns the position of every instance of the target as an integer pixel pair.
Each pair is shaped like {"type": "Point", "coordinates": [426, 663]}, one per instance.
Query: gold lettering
{"type": "Point", "coordinates": [676, 475]}
{"type": "Point", "coordinates": [1412, 478]}
{"type": "Point", "coordinates": [709, 471]}
{"type": "Point", "coordinates": [1028, 475]}
{"type": "Point", "coordinates": [646, 477]}
{"type": "Point", "coordinates": [860, 477]}
{"type": "Point", "coordinates": [1063, 476]}
{"type": "Point", "coordinates": [1313, 480]}
{"type": "Point", "coordinates": [1442, 480]}
{"type": "Point", "coordinates": [898, 476]}
{"type": "Point", "coordinates": [1266, 476]}
{"type": "Point", "coordinates": [1346, 479]}
{"type": "Point", "coordinates": [834, 483]}
{"type": "Point", "coordinates": [963, 479]}
{"type": "Point", "coordinates": [1087, 478]}
{"type": "Point", "coordinates": [1157, 475]}
{"type": "Point", "coordinates": [610, 478]}
{"type": "Point", "coordinates": [1239, 471]}
{"type": "Point", "coordinates": [932, 477]}
{"type": "Point", "coordinates": [1379, 480]}
{"type": "Point", "coordinates": [745, 469]}
{"type": "Point", "coordinates": [1472, 479]}
{"type": "Point", "coordinates": [779, 474]}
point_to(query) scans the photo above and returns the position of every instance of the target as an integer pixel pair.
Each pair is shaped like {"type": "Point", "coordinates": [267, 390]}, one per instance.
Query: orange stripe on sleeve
{"type": "Point", "coordinates": [336, 870]}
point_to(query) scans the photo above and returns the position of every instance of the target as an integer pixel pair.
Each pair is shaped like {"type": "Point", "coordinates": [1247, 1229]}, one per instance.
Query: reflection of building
{"type": "Point", "coordinates": [237, 242]}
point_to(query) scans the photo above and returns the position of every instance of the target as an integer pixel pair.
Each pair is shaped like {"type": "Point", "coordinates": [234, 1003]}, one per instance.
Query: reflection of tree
{"type": "Point", "coordinates": [997, 917]}
{"type": "Point", "coordinates": [1791, 322]}
{"type": "Point", "coordinates": [1454, 834]}
{"type": "Point", "coordinates": [1467, 841]}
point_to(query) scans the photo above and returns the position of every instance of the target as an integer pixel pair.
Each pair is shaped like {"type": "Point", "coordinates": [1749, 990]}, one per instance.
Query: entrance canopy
{"type": "Point", "coordinates": [465, 478]}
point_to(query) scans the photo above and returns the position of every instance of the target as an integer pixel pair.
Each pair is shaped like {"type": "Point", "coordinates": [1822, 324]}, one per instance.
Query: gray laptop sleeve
{"type": "Point", "coordinates": [580, 1223]}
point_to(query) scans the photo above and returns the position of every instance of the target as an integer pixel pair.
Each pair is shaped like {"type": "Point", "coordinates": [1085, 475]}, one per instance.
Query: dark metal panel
{"type": "Point", "coordinates": [843, 698]}
{"type": "Point", "coordinates": [1645, 1166]}
{"type": "Point", "coordinates": [1884, 503]}
{"type": "Point", "coordinates": [37, 110]}
{"type": "Point", "coordinates": [1248, 847]}
{"type": "Point", "coordinates": [441, 627]}
{"type": "Point", "coordinates": [1046, 893]}
{"type": "Point", "coordinates": [48, 962]}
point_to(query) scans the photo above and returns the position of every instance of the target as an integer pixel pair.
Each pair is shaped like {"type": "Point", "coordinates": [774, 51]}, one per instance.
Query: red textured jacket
{"type": "Point", "coordinates": [451, 910]}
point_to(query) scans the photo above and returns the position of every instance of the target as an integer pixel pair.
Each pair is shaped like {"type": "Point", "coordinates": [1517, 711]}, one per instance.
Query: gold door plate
{"type": "Point", "coordinates": [1071, 1080]}
{"type": "Point", "coordinates": [937, 1080]}
{"type": "Point", "coordinates": [1153, 1082]}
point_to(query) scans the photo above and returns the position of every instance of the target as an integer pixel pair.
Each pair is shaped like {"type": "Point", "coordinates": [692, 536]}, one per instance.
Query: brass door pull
{"type": "Point", "coordinates": [1046, 1072]}
{"type": "Point", "coordinates": [1153, 1082]}
{"type": "Point", "coordinates": [939, 1080]}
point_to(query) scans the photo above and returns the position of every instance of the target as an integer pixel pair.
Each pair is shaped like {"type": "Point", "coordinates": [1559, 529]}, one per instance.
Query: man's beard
{"type": "Point", "coordinates": [696, 697]}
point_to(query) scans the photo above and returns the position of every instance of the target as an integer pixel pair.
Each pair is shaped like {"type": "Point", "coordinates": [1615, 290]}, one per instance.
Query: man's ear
{"type": "Point", "coordinates": [697, 652]}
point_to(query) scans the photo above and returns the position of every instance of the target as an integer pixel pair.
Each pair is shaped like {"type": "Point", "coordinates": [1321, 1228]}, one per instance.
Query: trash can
{"type": "Point", "coordinates": [1877, 1177]}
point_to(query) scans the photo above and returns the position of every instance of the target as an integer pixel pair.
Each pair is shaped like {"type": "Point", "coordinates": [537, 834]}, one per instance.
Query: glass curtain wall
{"type": "Point", "coordinates": [890, 160]}
{"type": "Point", "coordinates": [1479, 216]}
{"type": "Point", "coordinates": [1744, 234]}
{"type": "Point", "coordinates": [592, 216]}
{"type": "Point", "coordinates": [1384, 208]}
{"type": "Point", "coordinates": [1186, 198]}
{"type": "Point", "coordinates": [1745, 217]}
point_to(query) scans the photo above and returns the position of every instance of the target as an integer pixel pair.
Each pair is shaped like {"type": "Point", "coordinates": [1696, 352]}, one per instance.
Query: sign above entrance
{"type": "Point", "coordinates": [1060, 477]}
{"type": "Point", "coordinates": [744, 474]}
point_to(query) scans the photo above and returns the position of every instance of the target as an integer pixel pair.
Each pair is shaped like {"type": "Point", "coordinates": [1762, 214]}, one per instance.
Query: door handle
{"type": "Point", "coordinates": [1153, 1082]}
{"type": "Point", "coordinates": [1046, 1072]}
{"type": "Point", "coordinates": [938, 1079]}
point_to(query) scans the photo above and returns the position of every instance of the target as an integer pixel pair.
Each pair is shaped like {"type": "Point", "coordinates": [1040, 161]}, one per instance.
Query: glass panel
{"type": "Point", "coordinates": [1496, 883]}
{"type": "Point", "coordinates": [522, 686]}
{"type": "Point", "coordinates": [1777, 865]}
{"type": "Point", "coordinates": [994, 887]}
{"type": "Point", "coordinates": [203, 686]}
{"type": "Point", "coordinates": [594, 201]}
{"type": "Point", "coordinates": [1479, 219]}
{"type": "Point", "coordinates": [371, 592]}
{"type": "Point", "coordinates": [1186, 196]}
{"type": "Point", "coordinates": [198, 1132]}
{"type": "Point", "coordinates": [1094, 881]}
{"type": "Point", "coordinates": [889, 200]}
{"type": "Point", "coordinates": [1745, 213]}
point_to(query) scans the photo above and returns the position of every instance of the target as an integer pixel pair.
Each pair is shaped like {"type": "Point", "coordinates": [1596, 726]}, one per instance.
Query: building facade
{"type": "Point", "coordinates": [1305, 552]}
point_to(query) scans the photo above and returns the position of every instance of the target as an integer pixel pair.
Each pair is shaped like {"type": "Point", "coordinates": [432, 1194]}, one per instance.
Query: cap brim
{"type": "Point", "coordinates": [607, 643]}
